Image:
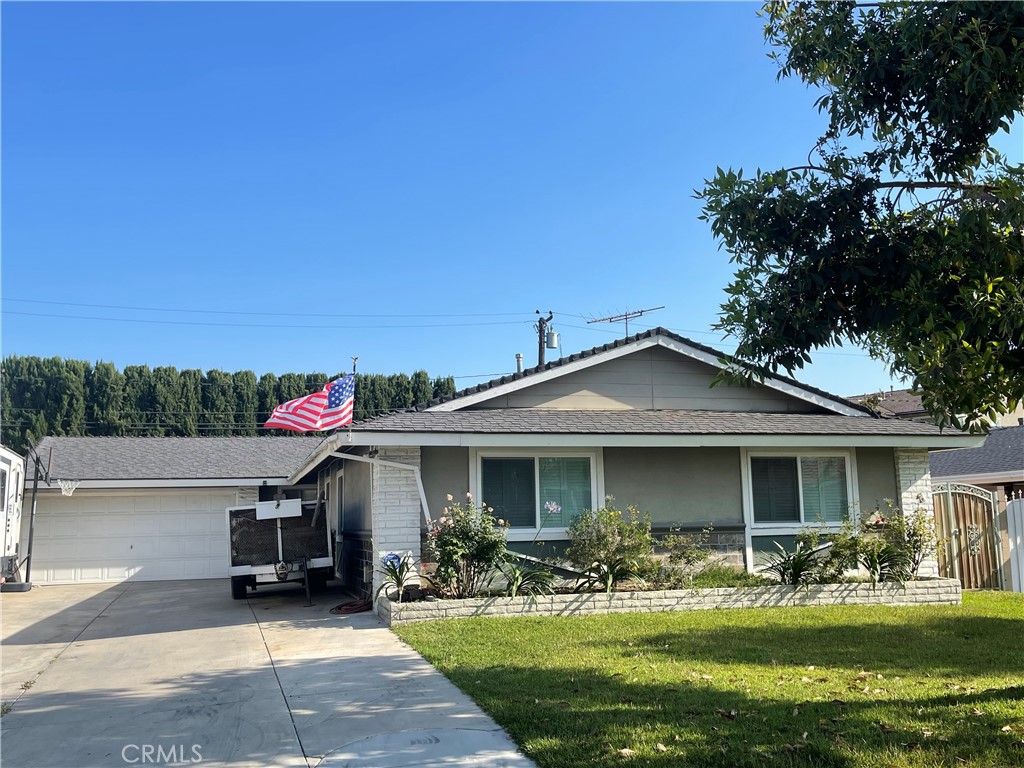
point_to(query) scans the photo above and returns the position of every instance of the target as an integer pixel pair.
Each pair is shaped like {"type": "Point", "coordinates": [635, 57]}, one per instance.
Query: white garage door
{"type": "Point", "coordinates": [150, 536]}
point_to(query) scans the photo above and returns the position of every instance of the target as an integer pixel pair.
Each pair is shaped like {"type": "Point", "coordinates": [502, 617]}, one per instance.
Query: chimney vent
{"type": "Point", "coordinates": [519, 362]}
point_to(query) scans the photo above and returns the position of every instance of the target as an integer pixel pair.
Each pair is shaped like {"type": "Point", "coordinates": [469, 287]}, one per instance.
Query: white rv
{"type": "Point", "coordinates": [12, 494]}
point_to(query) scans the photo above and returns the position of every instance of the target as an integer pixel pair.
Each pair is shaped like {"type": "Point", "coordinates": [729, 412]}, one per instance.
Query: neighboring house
{"type": "Point", "coordinates": [902, 404]}
{"type": "Point", "coordinates": [151, 508]}
{"type": "Point", "coordinates": [997, 466]}
{"type": "Point", "coordinates": [635, 419]}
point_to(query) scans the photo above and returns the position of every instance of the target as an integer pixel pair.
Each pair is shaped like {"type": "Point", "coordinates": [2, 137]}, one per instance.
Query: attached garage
{"type": "Point", "coordinates": [150, 509]}
{"type": "Point", "coordinates": [145, 536]}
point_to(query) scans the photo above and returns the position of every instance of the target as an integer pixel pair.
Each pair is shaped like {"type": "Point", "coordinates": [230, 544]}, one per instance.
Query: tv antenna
{"type": "Point", "coordinates": [625, 316]}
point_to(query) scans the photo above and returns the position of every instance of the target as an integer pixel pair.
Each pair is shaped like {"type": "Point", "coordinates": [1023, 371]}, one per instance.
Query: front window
{"type": "Point", "coordinates": [798, 490]}
{"type": "Point", "coordinates": [518, 488]}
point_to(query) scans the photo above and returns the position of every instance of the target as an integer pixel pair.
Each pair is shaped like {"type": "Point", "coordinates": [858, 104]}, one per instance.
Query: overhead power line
{"type": "Point", "coordinates": [260, 313]}
{"type": "Point", "coordinates": [266, 326]}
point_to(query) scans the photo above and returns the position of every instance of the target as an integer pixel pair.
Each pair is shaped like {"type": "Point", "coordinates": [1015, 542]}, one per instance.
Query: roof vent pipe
{"type": "Point", "coordinates": [519, 362]}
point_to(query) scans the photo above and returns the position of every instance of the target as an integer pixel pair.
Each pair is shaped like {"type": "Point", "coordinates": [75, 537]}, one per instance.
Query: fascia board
{"type": "Point", "coordinates": [541, 440]}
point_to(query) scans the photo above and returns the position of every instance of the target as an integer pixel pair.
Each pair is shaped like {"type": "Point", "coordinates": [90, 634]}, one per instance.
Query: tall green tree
{"type": "Point", "coordinates": [904, 230]}
{"type": "Point", "coordinates": [139, 405]}
{"type": "Point", "coordinates": [191, 399]}
{"type": "Point", "coordinates": [266, 395]}
{"type": "Point", "coordinates": [167, 406]}
{"type": "Point", "coordinates": [422, 391]}
{"type": "Point", "coordinates": [246, 402]}
{"type": "Point", "coordinates": [218, 404]}
{"type": "Point", "coordinates": [104, 394]}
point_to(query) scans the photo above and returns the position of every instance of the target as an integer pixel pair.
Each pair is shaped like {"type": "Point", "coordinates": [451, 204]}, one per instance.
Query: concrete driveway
{"type": "Point", "coordinates": [166, 673]}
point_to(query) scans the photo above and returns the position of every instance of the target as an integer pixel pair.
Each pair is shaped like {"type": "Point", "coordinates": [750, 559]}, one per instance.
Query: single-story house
{"type": "Point", "coordinates": [635, 419]}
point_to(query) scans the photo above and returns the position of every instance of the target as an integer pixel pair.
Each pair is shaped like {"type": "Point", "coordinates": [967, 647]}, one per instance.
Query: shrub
{"type": "Point", "coordinates": [610, 545]}
{"type": "Point", "coordinates": [467, 544]}
{"type": "Point", "coordinates": [399, 571]}
{"type": "Point", "coordinates": [530, 579]}
{"type": "Point", "coordinates": [606, 574]}
{"type": "Point", "coordinates": [717, 576]}
{"type": "Point", "coordinates": [883, 561]}
{"type": "Point", "coordinates": [914, 534]}
{"type": "Point", "coordinates": [796, 568]}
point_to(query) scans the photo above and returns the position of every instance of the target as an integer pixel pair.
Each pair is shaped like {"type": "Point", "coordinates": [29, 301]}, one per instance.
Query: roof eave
{"type": "Point", "coordinates": [651, 440]}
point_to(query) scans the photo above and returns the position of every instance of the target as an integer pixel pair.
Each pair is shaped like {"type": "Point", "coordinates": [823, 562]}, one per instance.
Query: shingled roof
{"type": "Point", "coordinates": [895, 402]}
{"type": "Point", "coordinates": [617, 344]}
{"type": "Point", "coordinates": [175, 458]}
{"type": "Point", "coordinates": [1002, 453]}
{"type": "Point", "coordinates": [633, 422]}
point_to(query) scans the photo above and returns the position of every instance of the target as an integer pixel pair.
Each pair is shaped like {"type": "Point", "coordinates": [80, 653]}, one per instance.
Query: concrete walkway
{"type": "Point", "coordinates": [110, 675]}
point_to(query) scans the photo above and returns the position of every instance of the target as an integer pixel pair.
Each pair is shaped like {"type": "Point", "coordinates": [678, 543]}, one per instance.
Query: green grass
{"type": "Point", "coordinates": [844, 687]}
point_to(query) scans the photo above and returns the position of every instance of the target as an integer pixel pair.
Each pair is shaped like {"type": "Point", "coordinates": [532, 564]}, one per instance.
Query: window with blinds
{"type": "Point", "coordinates": [518, 488]}
{"type": "Point", "coordinates": [808, 489]}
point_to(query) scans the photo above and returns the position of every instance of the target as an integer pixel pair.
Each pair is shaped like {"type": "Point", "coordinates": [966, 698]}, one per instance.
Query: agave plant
{"type": "Point", "coordinates": [530, 579]}
{"type": "Point", "coordinates": [797, 567]}
{"type": "Point", "coordinates": [605, 575]}
{"type": "Point", "coordinates": [885, 562]}
{"type": "Point", "coordinates": [398, 571]}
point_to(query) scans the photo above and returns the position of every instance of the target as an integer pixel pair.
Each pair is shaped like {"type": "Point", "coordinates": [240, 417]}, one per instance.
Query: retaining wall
{"type": "Point", "coordinates": [924, 592]}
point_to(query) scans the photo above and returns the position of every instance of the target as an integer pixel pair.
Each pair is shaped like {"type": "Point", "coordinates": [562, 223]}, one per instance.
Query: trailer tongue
{"type": "Point", "coordinates": [279, 541]}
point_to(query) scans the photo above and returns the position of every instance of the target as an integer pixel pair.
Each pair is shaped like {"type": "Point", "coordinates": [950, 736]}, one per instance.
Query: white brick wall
{"type": "Point", "coordinates": [915, 486]}
{"type": "Point", "coordinates": [395, 506]}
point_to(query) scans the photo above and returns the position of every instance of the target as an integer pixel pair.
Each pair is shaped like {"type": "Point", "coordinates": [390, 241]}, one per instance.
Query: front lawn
{"type": "Point", "coordinates": [848, 687]}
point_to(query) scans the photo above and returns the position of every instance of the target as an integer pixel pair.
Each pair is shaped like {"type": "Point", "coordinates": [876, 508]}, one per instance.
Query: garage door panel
{"type": "Point", "coordinates": [145, 537]}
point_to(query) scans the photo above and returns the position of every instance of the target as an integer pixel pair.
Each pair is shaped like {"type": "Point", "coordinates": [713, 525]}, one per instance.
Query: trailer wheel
{"type": "Point", "coordinates": [239, 587]}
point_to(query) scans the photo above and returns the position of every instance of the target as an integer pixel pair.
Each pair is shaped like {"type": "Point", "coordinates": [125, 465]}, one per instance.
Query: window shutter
{"type": "Point", "coordinates": [774, 486]}
{"type": "Point", "coordinates": [508, 487]}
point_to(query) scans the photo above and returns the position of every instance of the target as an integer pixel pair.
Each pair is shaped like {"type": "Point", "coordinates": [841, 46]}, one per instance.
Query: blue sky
{"type": "Point", "coordinates": [402, 182]}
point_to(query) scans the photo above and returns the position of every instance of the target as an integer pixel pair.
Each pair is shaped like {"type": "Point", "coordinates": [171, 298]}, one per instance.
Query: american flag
{"type": "Point", "coordinates": [329, 408]}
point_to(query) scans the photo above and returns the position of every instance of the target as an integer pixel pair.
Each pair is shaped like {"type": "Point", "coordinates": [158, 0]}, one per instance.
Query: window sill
{"type": "Point", "coordinates": [544, 534]}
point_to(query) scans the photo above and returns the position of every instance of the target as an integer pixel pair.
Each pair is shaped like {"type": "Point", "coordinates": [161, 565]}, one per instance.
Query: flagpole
{"type": "Point", "coordinates": [355, 359]}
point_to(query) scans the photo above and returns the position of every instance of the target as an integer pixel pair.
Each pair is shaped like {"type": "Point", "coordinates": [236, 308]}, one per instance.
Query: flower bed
{"type": "Point", "coordinates": [922, 592]}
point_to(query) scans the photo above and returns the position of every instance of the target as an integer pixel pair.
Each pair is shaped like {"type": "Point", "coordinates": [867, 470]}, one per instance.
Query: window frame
{"type": "Point", "coordinates": [776, 528]}
{"type": "Point", "coordinates": [556, 533]}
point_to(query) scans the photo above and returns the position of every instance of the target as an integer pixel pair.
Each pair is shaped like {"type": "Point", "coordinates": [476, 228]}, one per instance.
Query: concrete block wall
{"type": "Point", "coordinates": [927, 592]}
{"type": "Point", "coordinates": [397, 515]}
{"type": "Point", "coordinates": [915, 486]}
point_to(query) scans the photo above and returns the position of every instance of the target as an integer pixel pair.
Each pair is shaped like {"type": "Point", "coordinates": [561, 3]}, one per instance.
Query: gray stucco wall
{"type": "Point", "coordinates": [445, 470]}
{"type": "Point", "coordinates": [876, 475]}
{"type": "Point", "coordinates": [677, 486]}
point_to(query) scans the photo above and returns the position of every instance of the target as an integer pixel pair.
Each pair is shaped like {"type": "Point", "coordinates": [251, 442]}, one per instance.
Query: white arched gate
{"type": "Point", "coordinates": [965, 518]}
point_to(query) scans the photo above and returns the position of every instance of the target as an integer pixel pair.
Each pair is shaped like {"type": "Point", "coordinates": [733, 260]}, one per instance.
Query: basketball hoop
{"type": "Point", "coordinates": [67, 487]}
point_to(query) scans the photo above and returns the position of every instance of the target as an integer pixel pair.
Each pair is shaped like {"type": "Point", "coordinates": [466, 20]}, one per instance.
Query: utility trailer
{"type": "Point", "coordinates": [278, 541]}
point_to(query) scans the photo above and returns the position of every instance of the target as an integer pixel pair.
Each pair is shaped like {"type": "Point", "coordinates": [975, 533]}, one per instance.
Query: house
{"type": "Point", "coordinates": [636, 419]}
{"type": "Point", "coordinates": [904, 404]}
{"type": "Point", "coordinates": [998, 467]}
{"type": "Point", "coordinates": [152, 508]}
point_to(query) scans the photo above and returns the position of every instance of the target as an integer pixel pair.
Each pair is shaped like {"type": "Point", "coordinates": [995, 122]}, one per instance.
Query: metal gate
{"type": "Point", "coordinates": [968, 536]}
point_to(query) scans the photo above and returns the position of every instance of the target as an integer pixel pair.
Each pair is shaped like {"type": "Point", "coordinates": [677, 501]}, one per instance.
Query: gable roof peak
{"type": "Point", "coordinates": [659, 335]}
